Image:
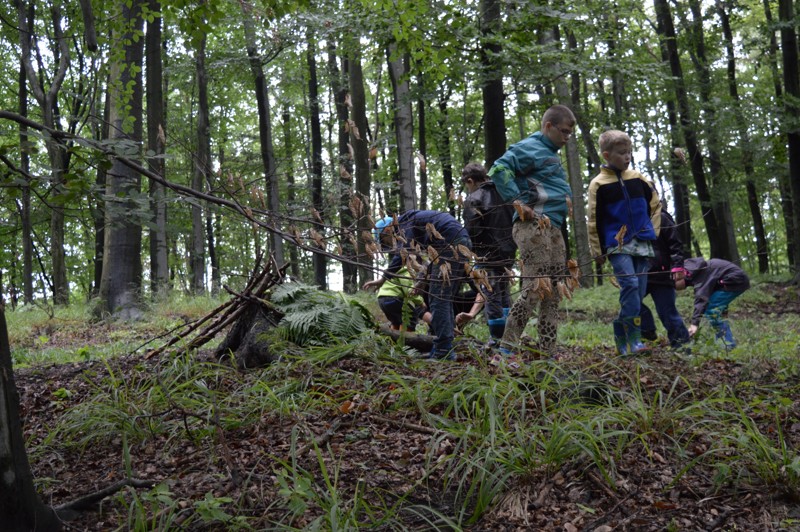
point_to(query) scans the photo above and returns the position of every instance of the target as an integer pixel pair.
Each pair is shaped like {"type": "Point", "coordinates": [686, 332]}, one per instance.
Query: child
{"type": "Point", "coordinates": [403, 309]}
{"type": "Point", "coordinates": [669, 254]}
{"type": "Point", "coordinates": [488, 220]}
{"type": "Point", "coordinates": [716, 283]}
{"type": "Point", "coordinates": [530, 173]}
{"type": "Point", "coordinates": [624, 219]}
{"type": "Point", "coordinates": [442, 234]}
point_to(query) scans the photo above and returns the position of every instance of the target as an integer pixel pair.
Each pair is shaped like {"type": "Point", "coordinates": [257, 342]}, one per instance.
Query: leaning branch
{"type": "Point", "coordinates": [236, 207]}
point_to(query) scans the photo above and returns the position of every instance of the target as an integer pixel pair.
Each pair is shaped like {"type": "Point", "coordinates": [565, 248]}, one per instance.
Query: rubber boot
{"type": "Point", "coordinates": [725, 334]}
{"type": "Point", "coordinates": [620, 340]}
{"type": "Point", "coordinates": [633, 333]}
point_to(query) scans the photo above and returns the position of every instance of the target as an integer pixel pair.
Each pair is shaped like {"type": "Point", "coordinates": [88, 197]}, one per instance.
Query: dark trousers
{"type": "Point", "coordinates": [664, 300]}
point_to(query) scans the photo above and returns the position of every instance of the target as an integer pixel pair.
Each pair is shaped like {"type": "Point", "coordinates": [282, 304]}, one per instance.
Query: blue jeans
{"type": "Point", "coordinates": [500, 296]}
{"type": "Point", "coordinates": [440, 300]}
{"type": "Point", "coordinates": [632, 282]}
{"type": "Point", "coordinates": [718, 306]}
{"type": "Point", "coordinates": [664, 300]}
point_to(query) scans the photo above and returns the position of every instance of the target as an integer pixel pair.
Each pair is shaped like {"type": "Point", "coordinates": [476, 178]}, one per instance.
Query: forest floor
{"type": "Point", "coordinates": [657, 483]}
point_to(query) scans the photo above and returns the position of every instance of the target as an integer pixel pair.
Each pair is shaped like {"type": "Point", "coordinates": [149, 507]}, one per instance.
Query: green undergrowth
{"type": "Point", "coordinates": [491, 437]}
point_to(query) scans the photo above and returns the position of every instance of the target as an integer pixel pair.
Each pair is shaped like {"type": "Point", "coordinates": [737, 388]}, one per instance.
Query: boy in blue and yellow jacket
{"type": "Point", "coordinates": [624, 220]}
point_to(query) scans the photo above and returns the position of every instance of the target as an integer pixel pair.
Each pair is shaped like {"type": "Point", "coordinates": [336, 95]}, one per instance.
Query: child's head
{"type": "Point", "coordinates": [679, 277]}
{"type": "Point", "coordinates": [616, 147]}
{"type": "Point", "coordinates": [473, 175]}
{"type": "Point", "coordinates": [382, 236]}
{"type": "Point", "coordinates": [557, 124]}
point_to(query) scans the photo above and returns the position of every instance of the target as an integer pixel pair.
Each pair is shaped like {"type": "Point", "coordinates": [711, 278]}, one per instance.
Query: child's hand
{"type": "Point", "coordinates": [692, 330]}
{"type": "Point", "coordinates": [463, 317]}
{"type": "Point", "coordinates": [373, 285]}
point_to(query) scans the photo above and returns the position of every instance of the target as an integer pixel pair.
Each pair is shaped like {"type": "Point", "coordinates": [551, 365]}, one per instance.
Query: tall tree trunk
{"type": "Point", "coordinates": [720, 201]}
{"type": "Point", "coordinates": [779, 140]}
{"type": "Point", "coordinates": [361, 161]}
{"type": "Point", "coordinates": [680, 190]}
{"type": "Point", "coordinates": [443, 146]}
{"type": "Point", "coordinates": [791, 82]}
{"type": "Point", "coordinates": [25, 205]}
{"type": "Point", "coordinates": [264, 129]}
{"type": "Point", "coordinates": [320, 264]}
{"type": "Point", "coordinates": [571, 97]}
{"type": "Point", "coordinates": [120, 289]}
{"type": "Point", "coordinates": [423, 148]}
{"type": "Point", "coordinates": [291, 192]}
{"type": "Point", "coordinates": [666, 31]}
{"type": "Point", "coordinates": [753, 200]}
{"type": "Point", "coordinates": [156, 139]}
{"type": "Point", "coordinates": [345, 168]}
{"type": "Point", "coordinates": [213, 260]}
{"type": "Point", "coordinates": [102, 131]}
{"type": "Point", "coordinates": [202, 165]}
{"type": "Point", "coordinates": [403, 126]}
{"type": "Point", "coordinates": [59, 158]}
{"type": "Point", "coordinates": [20, 505]}
{"type": "Point", "coordinates": [494, 118]}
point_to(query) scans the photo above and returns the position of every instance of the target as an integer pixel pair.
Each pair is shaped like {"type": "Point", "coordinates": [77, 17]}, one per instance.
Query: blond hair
{"type": "Point", "coordinates": [612, 138]}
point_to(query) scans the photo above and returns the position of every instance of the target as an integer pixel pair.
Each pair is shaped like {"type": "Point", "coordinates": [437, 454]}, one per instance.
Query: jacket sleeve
{"type": "Point", "coordinates": [669, 234]}
{"type": "Point", "coordinates": [503, 178]}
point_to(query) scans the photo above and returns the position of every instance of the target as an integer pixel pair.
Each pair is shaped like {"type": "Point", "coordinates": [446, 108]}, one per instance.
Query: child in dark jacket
{"type": "Point", "coordinates": [661, 288]}
{"type": "Point", "coordinates": [716, 283]}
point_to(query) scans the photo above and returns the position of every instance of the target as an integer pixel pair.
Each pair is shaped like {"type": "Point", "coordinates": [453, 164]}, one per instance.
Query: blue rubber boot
{"type": "Point", "coordinates": [633, 333]}
{"type": "Point", "coordinates": [725, 334]}
{"type": "Point", "coordinates": [497, 327]}
{"type": "Point", "coordinates": [620, 339]}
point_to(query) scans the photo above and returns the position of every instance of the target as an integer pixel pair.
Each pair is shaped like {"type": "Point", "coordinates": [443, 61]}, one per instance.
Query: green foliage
{"type": "Point", "coordinates": [314, 317]}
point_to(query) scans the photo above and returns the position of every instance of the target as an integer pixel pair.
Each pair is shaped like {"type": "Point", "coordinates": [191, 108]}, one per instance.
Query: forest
{"type": "Point", "coordinates": [155, 155]}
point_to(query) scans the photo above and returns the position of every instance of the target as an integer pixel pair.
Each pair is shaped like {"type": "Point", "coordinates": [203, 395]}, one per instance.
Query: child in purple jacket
{"type": "Point", "coordinates": [716, 283]}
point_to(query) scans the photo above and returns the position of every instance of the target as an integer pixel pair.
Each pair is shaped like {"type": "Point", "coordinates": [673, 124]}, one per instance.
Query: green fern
{"type": "Point", "coordinates": [316, 317]}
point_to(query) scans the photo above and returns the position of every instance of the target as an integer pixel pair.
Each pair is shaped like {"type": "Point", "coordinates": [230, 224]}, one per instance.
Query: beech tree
{"type": "Point", "coordinates": [21, 509]}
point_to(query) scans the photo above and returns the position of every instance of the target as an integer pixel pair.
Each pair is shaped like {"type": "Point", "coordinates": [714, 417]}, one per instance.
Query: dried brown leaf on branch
{"type": "Point", "coordinates": [317, 238]}
{"type": "Point", "coordinates": [481, 279]}
{"type": "Point", "coordinates": [544, 222]}
{"type": "Point", "coordinates": [356, 206]}
{"type": "Point", "coordinates": [444, 272]}
{"type": "Point", "coordinates": [564, 290]}
{"type": "Point", "coordinates": [545, 287]}
{"type": "Point", "coordinates": [518, 206]}
{"type": "Point", "coordinates": [433, 255]}
{"type": "Point", "coordinates": [574, 272]}
{"type": "Point", "coordinates": [413, 264]}
{"type": "Point", "coordinates": [620, 237]}
{"type": "Point", "coordinates": [464, 251]}
{"type": "Point", "coordinates": [295, 232]}
{"type": "Point", "coordinates": [432, 232]}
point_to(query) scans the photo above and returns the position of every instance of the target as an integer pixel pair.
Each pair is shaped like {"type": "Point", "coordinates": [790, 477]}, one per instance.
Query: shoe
{"type": "Point", "coordinates": [650, 336]}
{"type": "Point", "coordinates": [450, 355]}
{"type": "Point", "coordinates": [725, 334]}
{"type": "Point", "coordinates": [620, 340]}
{"type": "Point", "coordinates": [633, 334]}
